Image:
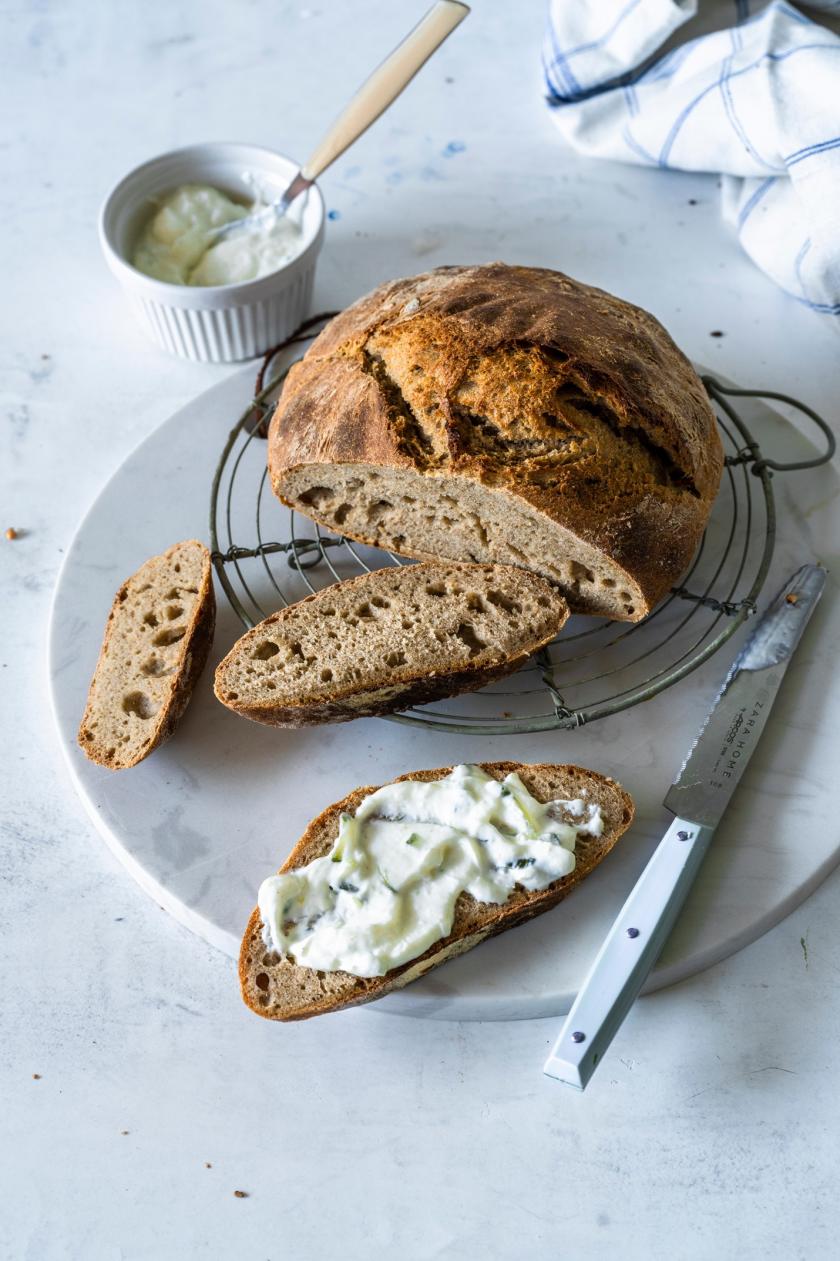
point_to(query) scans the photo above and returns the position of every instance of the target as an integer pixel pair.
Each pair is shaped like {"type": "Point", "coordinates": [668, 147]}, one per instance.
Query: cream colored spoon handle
{"type": "Point", "coordinates": [385, 84]}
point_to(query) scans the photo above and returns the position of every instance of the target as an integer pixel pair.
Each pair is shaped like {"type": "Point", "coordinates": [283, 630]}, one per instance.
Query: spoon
{"type": "Point", "coordinates": [373, 98]}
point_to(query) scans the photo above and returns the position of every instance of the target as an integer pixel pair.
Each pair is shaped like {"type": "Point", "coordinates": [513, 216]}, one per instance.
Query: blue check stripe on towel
{"type": "Point", "coordinates": [753, 95]}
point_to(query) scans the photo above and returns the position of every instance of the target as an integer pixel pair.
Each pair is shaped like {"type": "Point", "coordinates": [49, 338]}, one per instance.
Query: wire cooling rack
{"type": "Point", "coordinates": [267, 556]}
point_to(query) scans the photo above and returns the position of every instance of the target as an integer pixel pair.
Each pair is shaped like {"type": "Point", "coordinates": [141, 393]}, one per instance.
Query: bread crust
{"type": "Point", "coordinates": [389, 699]}
{"type": "Point", "coordinates": [641, 454]}
{"type": "Point", "coordinates": [195, 650]}
{"type": "Point", "coordinates": [474, 921]}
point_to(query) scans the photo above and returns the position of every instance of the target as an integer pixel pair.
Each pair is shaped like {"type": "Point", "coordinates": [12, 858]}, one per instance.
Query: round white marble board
{"type": "Point", "coordinates": [203, 820]}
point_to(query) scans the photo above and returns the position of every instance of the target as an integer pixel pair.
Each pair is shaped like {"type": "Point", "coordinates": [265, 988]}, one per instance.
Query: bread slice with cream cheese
{"type": "Point", "coordinates": [277, 987]}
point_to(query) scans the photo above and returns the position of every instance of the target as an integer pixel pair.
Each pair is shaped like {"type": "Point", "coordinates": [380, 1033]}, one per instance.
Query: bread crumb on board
{"type": "Point", "coordinates": [241, 1195]}
{"type": "Point", "coordinates": [36, 1076]}
{"type": "Point", "coordinates": [12, 533]}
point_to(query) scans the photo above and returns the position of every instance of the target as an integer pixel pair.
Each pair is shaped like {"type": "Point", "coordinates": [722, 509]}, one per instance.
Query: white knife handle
{"type": "Point", "coordinates": [386, 83]}
{"type": "Point", "coordinates": [628, 954]}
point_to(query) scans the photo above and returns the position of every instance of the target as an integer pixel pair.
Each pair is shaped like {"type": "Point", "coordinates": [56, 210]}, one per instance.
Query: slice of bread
{"type": "Point", "coordinates": [276, 987]}
{"type": "Point", "coordinates": [156, 642]}
{"type": "Point", "coordinates": [393, 638]}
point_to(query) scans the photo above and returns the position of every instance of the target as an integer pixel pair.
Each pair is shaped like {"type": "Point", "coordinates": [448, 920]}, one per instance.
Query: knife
{"type": "Point", "coordinates": [698, 797]}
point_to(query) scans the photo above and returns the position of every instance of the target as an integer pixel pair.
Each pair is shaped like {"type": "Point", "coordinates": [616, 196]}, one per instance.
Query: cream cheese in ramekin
{"type": "Point", "coordinates": [178, 244]}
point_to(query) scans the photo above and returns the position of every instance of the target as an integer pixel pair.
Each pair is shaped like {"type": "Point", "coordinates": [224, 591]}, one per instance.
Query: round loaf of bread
{"type": "Point", "coordinates": [505, 414]}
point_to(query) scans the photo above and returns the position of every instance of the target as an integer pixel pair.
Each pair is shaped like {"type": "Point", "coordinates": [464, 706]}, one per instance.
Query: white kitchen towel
{"type": "Point", "coordinates": [715, 87]}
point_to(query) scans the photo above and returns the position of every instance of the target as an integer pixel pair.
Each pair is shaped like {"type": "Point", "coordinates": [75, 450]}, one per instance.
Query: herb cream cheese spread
{"type": "Point", "coordinates": [176, 245]}
{"type": "Point", "coordinates": [388, 887]}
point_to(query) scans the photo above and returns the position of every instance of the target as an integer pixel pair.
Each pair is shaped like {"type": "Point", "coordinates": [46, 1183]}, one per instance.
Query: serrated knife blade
{"type": "Point", "coordinates": [698, 797]}
{"type": "Point", "coordinates": [716, 761]}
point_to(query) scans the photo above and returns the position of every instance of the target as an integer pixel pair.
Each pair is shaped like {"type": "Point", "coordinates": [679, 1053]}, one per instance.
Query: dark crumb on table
{"type": "Point", "coordinates": [241, 1195]}
{"type": "Point", "coordinates": [123, 1132]}
{"type": "Point", "coordinates": [692, 201]}
{"type": "Point", "coordinates": [36, 1076]}
{"type": "Point", "coordinates": [207, 1165]}
{"type": "Point", "coordinates": [717, 332]}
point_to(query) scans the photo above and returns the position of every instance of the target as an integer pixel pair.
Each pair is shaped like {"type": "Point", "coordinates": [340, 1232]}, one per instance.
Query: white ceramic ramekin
{"type": "Point", "coordinates": [219, 323]}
